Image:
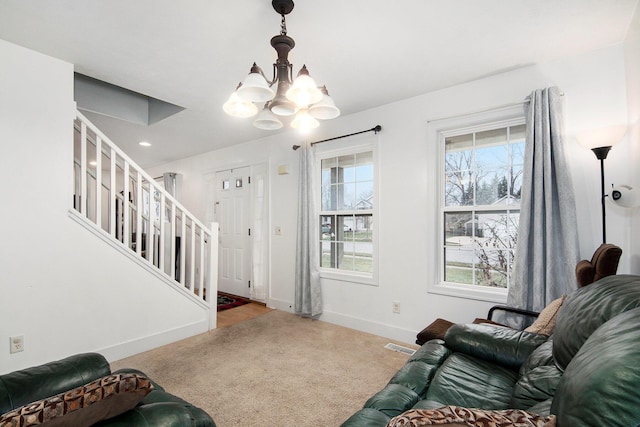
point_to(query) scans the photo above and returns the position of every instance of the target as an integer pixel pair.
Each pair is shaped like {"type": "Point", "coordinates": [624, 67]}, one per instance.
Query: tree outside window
{"type": "Point", "coordinates": [482, 189]}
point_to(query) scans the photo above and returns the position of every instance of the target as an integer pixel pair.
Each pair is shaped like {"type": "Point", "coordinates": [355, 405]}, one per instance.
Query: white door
{"type": "Point", "coordinates": [232, 213]}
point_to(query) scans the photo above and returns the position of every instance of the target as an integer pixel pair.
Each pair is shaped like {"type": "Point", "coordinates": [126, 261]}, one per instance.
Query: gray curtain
{"type": "Point", "coordinates": [169, 179]}
{"type": "Point", "coordinates": [547, 248]}
{"type": "Point", "coordinates": [308, 296]}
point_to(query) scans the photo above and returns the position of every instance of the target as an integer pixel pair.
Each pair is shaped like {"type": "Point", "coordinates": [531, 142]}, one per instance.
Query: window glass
{"type": "Point", "coordinates": [482, 189]}
{"type": "Point", "coordinates": [346, 217]}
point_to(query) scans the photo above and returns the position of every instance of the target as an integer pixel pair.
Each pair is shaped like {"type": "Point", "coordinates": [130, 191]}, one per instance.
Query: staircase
{"type": "Point", "coordinates": [122, 204]}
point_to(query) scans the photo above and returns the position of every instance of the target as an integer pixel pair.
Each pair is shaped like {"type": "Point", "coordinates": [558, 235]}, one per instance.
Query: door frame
{"type": "Point", "coordinates": [211, 200]}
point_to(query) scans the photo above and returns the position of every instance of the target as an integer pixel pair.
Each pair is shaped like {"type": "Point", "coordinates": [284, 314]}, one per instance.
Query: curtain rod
{"type": "Point", "coordinates": [376, 129]}
{"type": "Point", "coordinates": [486, 110]}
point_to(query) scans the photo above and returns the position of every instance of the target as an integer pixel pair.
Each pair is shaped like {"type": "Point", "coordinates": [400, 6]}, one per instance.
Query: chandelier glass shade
{"type": "Point", "coordinates": [238, 107]}
{"type": "Point", "coordinates": [300, 97]}
{"type": "Point", "coordinates": [304, 121]}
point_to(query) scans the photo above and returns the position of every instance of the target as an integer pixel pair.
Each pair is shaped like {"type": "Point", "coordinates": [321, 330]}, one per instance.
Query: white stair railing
{"type": "Point", "coordinates": [120, 199]}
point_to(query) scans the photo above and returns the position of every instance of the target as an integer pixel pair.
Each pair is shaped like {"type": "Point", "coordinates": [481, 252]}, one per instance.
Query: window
{"type": "Point", "coordinates": [480, 204]}
{"type": "Point", "coordinates": [346, 215]}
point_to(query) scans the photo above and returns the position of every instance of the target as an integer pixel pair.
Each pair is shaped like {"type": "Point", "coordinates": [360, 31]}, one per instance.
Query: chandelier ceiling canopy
{"type": "Point", "coordinates": [300, 97]}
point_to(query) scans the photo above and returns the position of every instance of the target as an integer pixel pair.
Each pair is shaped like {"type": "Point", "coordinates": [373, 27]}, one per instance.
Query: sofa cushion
{"type": "Point", "coordinates": [600, 385]}
{"type": "Point", "coordinates": [393, 399]}
{"type": "Point", "coordinates": [538, 378]}
{"type": "Point", "coordinates": [458, 416]}
{"type": "Point", "coordinates": [162, 414]}
{"type": "Point", "coordinates": [588, 308]}
{"type": "Point", "coordinates": [547, 318]}
{"type": "Point", "coordinates": [503, 346]}
{"type": "Point", "coordinates": [467, 381]}
{"type": "Point", "coordinates": [38, 382]}
{"type": "Point", "coordinates": [417, 373]}
{"type": "Point", "coordinates": [82, 406]}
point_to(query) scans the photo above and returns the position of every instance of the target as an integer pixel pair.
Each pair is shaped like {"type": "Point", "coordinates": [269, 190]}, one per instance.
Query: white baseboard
{"type": "Point", "coordinates": [129, 348]}
{"type": "Point", "coordinates": [388, 331]}
{"type": "Point", "coordinates": [280, 305]}
{"type": "Point", "coordinates": [364, 325]}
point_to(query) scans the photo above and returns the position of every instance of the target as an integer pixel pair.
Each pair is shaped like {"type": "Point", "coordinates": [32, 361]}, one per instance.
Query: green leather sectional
{"type": "Point", "coordinates": [122, 398]}
{"type": "Point", "coordinates": [587, 373]}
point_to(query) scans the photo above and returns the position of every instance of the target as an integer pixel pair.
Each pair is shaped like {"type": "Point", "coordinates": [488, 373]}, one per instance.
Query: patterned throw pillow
{"type": "Point", "coordinates": [547, 318]}
{"type": "Point", "coordinates": [103, 398]}
{"type": "Point", "coordinates": [456, 416]}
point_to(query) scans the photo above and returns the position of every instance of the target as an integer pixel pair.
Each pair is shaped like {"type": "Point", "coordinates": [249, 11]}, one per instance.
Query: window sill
{"type": "Point", "coordinates": [348, 277]}
{"type": "Point", "coordinates": [494, 295]}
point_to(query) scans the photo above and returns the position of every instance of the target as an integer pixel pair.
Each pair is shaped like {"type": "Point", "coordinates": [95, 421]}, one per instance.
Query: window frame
{"type": "Point", "coordinates": [360, 144]}
{"type": "Point", "coordinates": [439, 130]}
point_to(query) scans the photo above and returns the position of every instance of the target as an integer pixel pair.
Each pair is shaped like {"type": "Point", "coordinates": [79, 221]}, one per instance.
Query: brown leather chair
{"type": "Point", "coordinates": [604, 262]}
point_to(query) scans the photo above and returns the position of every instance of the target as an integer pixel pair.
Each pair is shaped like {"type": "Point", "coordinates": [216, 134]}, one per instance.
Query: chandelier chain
{"type": "Point", "coordinates": [283, 26]}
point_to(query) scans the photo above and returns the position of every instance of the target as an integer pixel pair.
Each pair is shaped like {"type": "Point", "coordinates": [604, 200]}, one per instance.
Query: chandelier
{"type": "Point", "coordinates": [302, 97]}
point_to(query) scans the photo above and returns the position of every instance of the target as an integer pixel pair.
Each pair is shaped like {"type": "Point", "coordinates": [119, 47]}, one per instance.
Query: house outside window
{"type": "Point", "coordinates": [480, 192]}
{"type": "Point", "coordinates": [347, 201]}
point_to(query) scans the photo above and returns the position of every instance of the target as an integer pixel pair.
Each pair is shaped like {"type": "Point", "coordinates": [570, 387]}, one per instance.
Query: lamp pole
{"type": "Point", "coordinates": [601, 154]}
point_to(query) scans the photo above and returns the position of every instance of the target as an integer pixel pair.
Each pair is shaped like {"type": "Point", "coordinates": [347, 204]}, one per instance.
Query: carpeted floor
{"type": "Point", "coordinates": [274, 370]}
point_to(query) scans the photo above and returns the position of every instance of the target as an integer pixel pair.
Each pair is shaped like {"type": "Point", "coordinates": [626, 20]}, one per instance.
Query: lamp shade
{"type": "Point", "coordinates": [601, 137]}
{"type": "Point", "coordinates": [625, 196]}
{"type": "Point", "coordinates": [267, 121]}
{"type": "Point", "coordinates": [325, 109]}
{"type": "Point", "coordinates": [238, 107]}
{"type": "Point", "coordinates": [304, 122]}
{"type": "Point", "coordinates": [255, 89]}
{"type": "Point", "coordinates": [304, 90]}
{"type": "Point", "coordinates": [280, 105]}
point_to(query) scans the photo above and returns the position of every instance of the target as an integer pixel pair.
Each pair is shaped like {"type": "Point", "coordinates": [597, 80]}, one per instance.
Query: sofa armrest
{"type": "Point", "coordinates": [504, 346]}
{"type": "Point", "coordinates": [39, 382]}
{"type": "Point", "coordinates": [165, 414]}
{"type": "Point", "coordinates": [528, 315]}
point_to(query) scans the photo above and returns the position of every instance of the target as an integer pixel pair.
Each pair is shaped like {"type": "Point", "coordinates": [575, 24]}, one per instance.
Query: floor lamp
{"type": "Point", "coordinates": [601, 154]}
{"type": "Point", "coordinates": [600, 142]}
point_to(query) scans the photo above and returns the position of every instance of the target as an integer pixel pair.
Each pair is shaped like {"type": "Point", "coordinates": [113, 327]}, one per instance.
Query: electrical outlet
{"type": "Point", "coordinates": [16, 344]}
{"type": "Point", "coordinates": [396, 307]}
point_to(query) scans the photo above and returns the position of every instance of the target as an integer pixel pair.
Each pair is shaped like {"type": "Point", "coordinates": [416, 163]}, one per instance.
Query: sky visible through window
{"type": "Point", "coordinates": [483, 183]}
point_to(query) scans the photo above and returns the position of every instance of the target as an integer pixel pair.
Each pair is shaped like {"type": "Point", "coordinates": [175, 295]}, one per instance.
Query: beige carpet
{"type": "Point", "coordinates": [274, 370]}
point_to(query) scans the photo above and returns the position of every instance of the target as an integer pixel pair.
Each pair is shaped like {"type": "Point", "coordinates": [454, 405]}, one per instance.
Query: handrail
{"type": "Point", "coordinates": [123, 201]}
{"type": "Point", "coordinates": [122, 154]}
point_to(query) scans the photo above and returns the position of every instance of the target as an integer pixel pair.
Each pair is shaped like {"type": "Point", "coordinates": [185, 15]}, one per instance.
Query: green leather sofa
{"type": "Point", "coordinates": [586, 374]}
{"type": "Point", "coordinates": [82, 390]}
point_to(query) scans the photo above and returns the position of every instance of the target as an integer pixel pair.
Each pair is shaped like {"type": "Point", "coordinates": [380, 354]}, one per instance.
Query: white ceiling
{"type": "Point", "coordinates": [368, 52]}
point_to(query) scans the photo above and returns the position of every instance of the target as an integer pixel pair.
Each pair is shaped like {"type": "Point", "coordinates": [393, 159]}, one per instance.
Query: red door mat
{"type": "Point", "coordinates": [227, 301]}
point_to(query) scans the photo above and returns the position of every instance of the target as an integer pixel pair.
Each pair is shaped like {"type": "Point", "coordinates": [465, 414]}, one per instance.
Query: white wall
{"type": "Point", "coordinates": [632, 63]}
{"type": "Point", "coordinates": [63, 288]}
{"type": "Point", "coordinates": [595, 95]}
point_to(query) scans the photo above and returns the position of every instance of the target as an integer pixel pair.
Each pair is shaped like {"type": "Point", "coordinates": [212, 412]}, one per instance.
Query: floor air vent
{"type": "Point", "coordinates": [400, 349]}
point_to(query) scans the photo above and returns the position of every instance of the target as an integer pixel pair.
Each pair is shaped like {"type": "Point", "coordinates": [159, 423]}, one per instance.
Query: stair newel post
{"type": "Point", "coordinates": [212, 282]}
{"type": "Point", "coordinates": [202, 266]}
